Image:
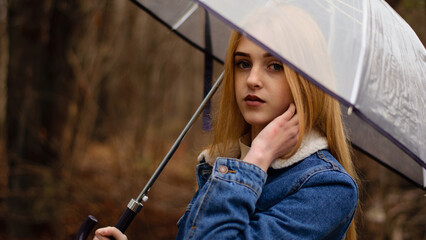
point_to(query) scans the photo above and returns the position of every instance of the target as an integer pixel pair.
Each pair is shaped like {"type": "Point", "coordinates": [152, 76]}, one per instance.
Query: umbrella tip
{"type": "Point", "coordinates": [350, 110]}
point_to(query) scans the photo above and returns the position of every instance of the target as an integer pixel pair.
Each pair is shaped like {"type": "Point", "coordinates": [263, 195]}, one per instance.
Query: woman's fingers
{"type": "Point", "coordinates": [286, 120]}
{"type": "Point", "coordinates": [289, 119]}
{"type": "Point", "coordinates": [106, 232]}
{"type": "Point", "coordinates": [275, 140]}
{"type": "Point", "coordinates": [290, 112]}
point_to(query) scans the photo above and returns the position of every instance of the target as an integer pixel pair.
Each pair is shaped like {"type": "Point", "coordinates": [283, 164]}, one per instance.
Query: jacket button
{"type": "Point", "coordinates": [222, 169]}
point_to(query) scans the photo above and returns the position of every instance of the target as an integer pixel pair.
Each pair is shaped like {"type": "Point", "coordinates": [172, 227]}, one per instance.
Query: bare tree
{"type": "Point", "coordinates": [38, 35]}
{"type": "Point", "coordinates": [3, 98]}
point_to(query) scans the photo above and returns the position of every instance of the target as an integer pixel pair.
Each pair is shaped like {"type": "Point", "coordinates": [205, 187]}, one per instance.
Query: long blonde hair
{"type": "Point", "coordinates": [316, 110]}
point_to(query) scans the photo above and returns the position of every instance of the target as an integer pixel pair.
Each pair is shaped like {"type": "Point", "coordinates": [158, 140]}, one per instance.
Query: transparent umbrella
{"type": "Point", "coordinates": [360, 52]}
{"type": "Point", "coordinates": [365, 55]}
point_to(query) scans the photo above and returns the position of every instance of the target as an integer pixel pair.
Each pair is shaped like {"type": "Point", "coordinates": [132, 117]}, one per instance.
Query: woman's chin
{"type": "Point", "coordinates": [257, 122]}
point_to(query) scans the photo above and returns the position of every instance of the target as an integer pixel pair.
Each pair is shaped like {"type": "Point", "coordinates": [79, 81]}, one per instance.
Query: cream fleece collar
{"type": "Point", "coordinates": [311, 143]}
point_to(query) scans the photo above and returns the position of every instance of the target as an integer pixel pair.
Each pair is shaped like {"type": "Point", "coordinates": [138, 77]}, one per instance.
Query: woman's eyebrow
{"type": "Point", "coordinates": [242, 54]}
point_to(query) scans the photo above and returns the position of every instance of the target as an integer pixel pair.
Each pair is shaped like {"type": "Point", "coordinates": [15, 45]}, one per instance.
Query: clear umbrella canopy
{"type": "Point", "coordinates": [361, 52]}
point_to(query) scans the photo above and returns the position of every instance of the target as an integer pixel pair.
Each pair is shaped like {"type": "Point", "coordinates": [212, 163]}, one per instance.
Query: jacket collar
{"type": "Point", "coordinates": [311, 143]}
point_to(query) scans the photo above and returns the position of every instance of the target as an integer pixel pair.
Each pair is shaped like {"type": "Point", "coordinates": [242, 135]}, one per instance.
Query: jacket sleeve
{"type": "Point", "coordinates": [224, 207]}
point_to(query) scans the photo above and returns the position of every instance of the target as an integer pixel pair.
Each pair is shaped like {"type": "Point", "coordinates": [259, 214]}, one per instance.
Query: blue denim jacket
{"type": "Point", "coordinates": [313, 199]}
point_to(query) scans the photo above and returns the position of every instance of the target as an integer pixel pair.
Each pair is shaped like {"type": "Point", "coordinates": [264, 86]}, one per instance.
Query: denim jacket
{"type": "Point", "coordinates": [312, 199]}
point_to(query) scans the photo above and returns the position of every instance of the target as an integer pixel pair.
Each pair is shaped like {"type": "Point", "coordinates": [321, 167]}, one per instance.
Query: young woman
{"type": "Point", "coordinates": [279, 166]}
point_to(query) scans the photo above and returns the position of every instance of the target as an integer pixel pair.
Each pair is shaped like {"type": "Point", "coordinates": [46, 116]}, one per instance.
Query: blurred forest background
{"type": "Point", "coordinates": [92, 96]}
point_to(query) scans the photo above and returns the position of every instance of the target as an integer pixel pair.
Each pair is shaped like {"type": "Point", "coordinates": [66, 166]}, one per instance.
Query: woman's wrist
{"type": "Point", "coordinates": [258, 158]}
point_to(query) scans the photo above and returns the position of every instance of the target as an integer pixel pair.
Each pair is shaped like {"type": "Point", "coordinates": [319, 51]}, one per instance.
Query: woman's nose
{"type": "Point", "coordinates": [255, 78]}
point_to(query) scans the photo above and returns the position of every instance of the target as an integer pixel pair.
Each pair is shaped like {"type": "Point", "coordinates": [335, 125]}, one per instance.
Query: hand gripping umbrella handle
{"type": "Point", "coordinates": [122, 224]}
{"type": "Point", "coordinates": [126, 218]}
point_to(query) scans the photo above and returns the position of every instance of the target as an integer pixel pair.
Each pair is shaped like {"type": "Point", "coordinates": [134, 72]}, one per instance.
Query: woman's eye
{"type": "Point", "coordinates": [276, 66]}
{"type": "Point", "coordinates": [243, 64]}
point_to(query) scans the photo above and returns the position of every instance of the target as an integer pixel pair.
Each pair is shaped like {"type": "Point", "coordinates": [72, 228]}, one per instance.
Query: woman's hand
{"type": "Point", "coordinates": [106, 232]}
{"type": "Point", "coordinates": [275, 140]}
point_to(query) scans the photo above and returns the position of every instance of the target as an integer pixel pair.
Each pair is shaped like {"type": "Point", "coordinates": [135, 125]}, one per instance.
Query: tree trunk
{"type": "Point", "coordinates": [40, 85]}
{"type": "Point", "coordinates": [4, 54]}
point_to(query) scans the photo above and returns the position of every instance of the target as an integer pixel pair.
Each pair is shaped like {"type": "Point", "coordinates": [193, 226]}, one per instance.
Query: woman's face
{"type": "Point", "coordinates": [261, 89]}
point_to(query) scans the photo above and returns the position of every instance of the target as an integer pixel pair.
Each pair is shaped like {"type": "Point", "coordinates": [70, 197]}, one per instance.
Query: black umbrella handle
{"type": "Point", "coordinates": [128, 215]}
{"type": "Point", "coordinates": [86, 227]}
{"type": "Point", "coordinates": [122, 224]}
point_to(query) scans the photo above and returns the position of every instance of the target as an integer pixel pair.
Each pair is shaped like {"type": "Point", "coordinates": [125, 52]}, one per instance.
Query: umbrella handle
{"type": "Point", "coordinates": [122, 224]}
{"type": "Point", "coordinates": [126, 218]}
{"type": "Point", "coordinates": [86, 227]}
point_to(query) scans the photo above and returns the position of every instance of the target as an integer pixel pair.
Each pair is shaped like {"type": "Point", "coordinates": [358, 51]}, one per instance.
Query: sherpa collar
{"type": "Point", "coordinates": [311, 143]}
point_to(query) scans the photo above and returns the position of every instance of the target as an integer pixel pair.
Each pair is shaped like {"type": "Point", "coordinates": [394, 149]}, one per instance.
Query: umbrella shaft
{"type": "Point", "coordinates": [179, 139]}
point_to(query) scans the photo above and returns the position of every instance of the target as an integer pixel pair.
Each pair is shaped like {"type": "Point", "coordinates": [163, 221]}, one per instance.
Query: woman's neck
{"type": "Point", "coordinates": [255, 129]}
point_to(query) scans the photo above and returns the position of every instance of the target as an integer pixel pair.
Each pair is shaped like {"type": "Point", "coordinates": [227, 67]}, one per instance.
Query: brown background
{"type": "Point", "coordinates": [92, 96]}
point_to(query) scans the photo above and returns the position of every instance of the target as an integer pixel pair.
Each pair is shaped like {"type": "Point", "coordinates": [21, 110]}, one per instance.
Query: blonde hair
{"type": "Point", "coordinates": [316, 110]}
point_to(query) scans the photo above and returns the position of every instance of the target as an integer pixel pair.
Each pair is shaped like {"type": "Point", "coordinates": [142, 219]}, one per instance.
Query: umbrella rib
{"type": "Point", "coordinates": [179, 34]}
{"type": "Point", "coordinates": [346, 14]}
{"type": "Point", "coordinates": [339, 9]}
{"type": "Point", "coordinates": [357, 82]}
{"type": "Point", "coordinates": [187, 14]}
{"type": "Point", "coordinates": [349, 6]}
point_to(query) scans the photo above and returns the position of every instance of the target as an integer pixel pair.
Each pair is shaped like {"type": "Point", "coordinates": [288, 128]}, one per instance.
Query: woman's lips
{"type": "Point", "coordinates": [253, 100]}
